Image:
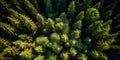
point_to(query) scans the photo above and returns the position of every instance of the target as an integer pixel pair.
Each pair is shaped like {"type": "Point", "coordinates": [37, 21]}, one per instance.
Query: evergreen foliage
{"type": "Point", "coordinates": [57, 30]}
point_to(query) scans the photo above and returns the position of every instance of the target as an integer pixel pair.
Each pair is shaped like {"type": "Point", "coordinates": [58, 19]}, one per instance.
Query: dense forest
{"type": "Point", "coordinates": [59, 29]}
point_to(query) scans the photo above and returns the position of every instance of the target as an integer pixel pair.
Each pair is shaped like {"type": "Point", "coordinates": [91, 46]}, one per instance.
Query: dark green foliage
{"type": "Point", "coordinates": [71, 10]}
{"type": "Point", "coordinates": [57, 30]}
{"type": "Point", "coordinates": [91, 15]}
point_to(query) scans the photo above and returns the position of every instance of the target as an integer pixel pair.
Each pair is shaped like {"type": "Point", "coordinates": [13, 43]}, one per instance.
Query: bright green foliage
{"type": "Point", "coordinates": [66, 29]}
{"type": "Point", "coordinates": [11, 50]}
{"type": "Point", "coordinates": [55, 30]}
{"type": "Point", "coordinates": [40, 20]}
{"type": "Point", "coordinates": [91, 15]}
{"type": "Point", "coordinates": [103, 46]}
{"type": "Point", "coordinates": [64, 55]}
{"type": "Point", "coordinates": [73, 43]}
{"type": "Point", "coordinates": [26, 54]}
{"type": "Point", "coordinates": [82, 57]}
{"type": "Point", "coordinates": [40, 58]}
{"type": "Point", "coordinates": [75, 34]}
{"type": "Point", "coordinates": [25, 37]}
{"type": "Point", "coordinates": [18, 43]}
{"type": "Point", "coordinates": [22, 44]}
{"type": "Point", "coordinates": [59, 26]}
{"type": "Point", "coordinates": [50, 24]}
{"type": "Point", "coordinates": [73, 52]}
{"type": "Point", "coordinates": [55, 37]}
{"type": "Point", "coordinates": [42, 40]}
{"type": "Point", "coordinates": [39, 49]}
{"type": "Point", "coordinates": [3, 43]}
{"type": "Point", "coordinates": [64, 38]}
{"type": "Point", "coordinates": [8, 29]}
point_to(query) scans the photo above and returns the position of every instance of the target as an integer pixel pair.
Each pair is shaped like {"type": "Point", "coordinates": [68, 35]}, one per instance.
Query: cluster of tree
{"type": "Point", "coordinates": [58, 30]}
